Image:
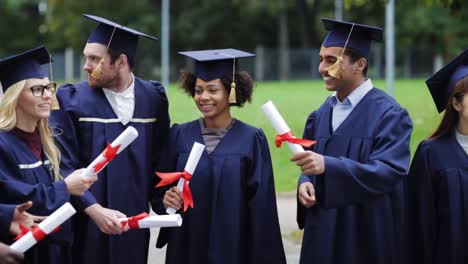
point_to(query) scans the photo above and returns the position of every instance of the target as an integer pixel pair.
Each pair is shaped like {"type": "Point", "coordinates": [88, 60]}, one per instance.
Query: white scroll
{"type": "Point", "coordinates": [117, 146]}
{"type": "Point", "coordinates": [44, 228]}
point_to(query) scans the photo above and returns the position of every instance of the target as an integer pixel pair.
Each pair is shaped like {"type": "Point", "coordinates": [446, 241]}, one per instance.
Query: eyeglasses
{"type": "Point", "coordinates": [38, 90]}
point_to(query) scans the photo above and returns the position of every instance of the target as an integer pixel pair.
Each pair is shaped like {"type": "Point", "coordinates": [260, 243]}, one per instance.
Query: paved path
{"type": "Point", "coordinates": [287, 217]}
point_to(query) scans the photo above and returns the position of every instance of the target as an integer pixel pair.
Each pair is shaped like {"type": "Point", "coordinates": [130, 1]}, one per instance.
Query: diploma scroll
{"type": "Point", "coordinates": [280, 125]}
{"type": "Point", "coordinates": [190, 166]}
{"type": "Point", "coordinates": [117, 146]}
{"type": "Point", "coordinates": [44, 228]}
{"type": "Point", "coordinates": [183, 177]}
{"type": "Point", "coordinates": [174, 220]}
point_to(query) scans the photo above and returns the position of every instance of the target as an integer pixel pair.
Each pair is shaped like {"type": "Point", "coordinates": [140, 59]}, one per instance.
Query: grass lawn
{"type": "Point", "coordinates": [295, 100]}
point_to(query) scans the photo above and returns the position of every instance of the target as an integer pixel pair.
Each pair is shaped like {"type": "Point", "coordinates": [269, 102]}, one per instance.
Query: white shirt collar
{"type": "Point", "coordinates": [127, 94]}
{"type": "Point", "coordinates": [122, 103]}
{"type": "Point", "coordinates": [462, 139]}
{"type": "Point", "coordinates": [355, 96]}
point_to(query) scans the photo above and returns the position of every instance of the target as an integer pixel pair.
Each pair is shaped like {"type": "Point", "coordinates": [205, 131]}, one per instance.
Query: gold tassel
{"type": "Point", "coordinates": [97, 72]}
{"type": "Point", "coordinates": [55, 105]}
{"type": "Point", "coordinates": [232, 93]}
{"type": "Point", "coordinates": [334, 70]}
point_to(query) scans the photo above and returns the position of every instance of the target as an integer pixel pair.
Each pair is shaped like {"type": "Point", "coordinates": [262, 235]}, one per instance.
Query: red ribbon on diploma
{"type": "Point", "coordinates": [133, 221]}
{"type": "Point", "coordinates": [288, 136]}
{"type": "Point", "coordinates": [109, 154]}
{"type": "Point", "coordinates": [170, 177]}
{"type": "Point", "coordinates": [37, 233]}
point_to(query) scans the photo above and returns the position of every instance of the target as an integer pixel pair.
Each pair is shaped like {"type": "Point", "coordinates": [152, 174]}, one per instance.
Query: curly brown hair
{"type": "Point", "coordinates": [244, 85]}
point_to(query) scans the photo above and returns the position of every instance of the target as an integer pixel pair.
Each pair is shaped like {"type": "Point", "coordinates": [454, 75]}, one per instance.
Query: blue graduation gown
{"type": "Point", "coordinates": [24, 178]}
{"type": "Point", "coordinates": [438, 202]}
{"type": "Point", "coordinates": [234, 219]}
{"type": "Point", "coordinates": [6, 216]}
{"type": "Point", "coordinates": [360, 205]}
{"type": "Point", "coordinates": [87, 123]}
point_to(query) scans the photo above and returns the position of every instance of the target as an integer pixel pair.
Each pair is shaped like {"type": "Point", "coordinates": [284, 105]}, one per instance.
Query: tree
{"type": "Point", "coordinates": [19, 15]}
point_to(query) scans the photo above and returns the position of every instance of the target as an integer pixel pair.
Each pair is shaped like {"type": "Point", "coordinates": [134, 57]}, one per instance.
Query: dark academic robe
{"type": "Point", "coordinates": [234, 219]}
{"type": "Point", "coordinates": [438, 202]}
{"type": "Point", "coordinates": [359, 213]}
{"type": "Point", "coordinates": [85, 124]}
{"type": "Point", "coordinates": [25, 178]}
{"type": "Point", "coordinates": [6, 216]}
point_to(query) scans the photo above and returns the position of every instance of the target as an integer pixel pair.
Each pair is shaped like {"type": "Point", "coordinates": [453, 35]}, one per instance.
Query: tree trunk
{"type": "Point", "coordinates": [307, 23]}
{"type": "Point", "coordinates": [283, 44]}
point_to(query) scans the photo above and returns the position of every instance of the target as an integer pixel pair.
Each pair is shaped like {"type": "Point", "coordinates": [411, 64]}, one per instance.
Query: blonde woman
{"type": "Point", "coordinates": [29, 159]}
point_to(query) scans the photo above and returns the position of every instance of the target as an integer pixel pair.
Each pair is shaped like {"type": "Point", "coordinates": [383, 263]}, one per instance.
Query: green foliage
{"type": "Point", "coordinates": [15, 27]}
{"type": "Point", "coordinates": [67, 28]}
{"type": "Point", "coordinates": [365, 4]}
{"type": "Point", "coordinates": [295, 100]}
{"type": "Point", "coordinates": [436, 26]}
{"type": "Point", "coordinates": [432, 27]}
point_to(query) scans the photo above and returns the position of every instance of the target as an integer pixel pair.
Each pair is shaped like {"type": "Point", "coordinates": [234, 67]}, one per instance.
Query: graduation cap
{"type": "Point", "coordinates": [214, 64]}
{"type": "Point", "coordinates": [357, 37]}
{"type": "Point", "coordinates": [442, 83]}
{"type": "Point", "coordinates": [115, 36]}
{"type": "Point", "coordinates": [22, 66]}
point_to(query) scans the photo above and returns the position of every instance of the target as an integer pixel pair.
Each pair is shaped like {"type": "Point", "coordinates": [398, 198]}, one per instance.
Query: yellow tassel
{"type": "Point", "coordinates": [334, 70]}
{"type": "Point", "coordinates": [97, 72]}
{"type": "Point", "coordinates": [55, 104]}
{"type": "Point", "coordinates": [232, 93]}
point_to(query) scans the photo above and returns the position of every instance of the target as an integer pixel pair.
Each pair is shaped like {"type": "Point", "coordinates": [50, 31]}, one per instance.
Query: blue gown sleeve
{"type": "Point", "coordinates": [163, 150]}
{"type": "Point", "coordinates": [308, 134]}
{"type": "Point", "coordinates": [422, 209]}
{"type": "Point", "coordinates": [167, 163]}
{"type": "Point", "coordinates": [46, 197]}
{"type": "Point", "coordinates": [64, 123]}
{"type": "Point", "coordinates": [6, 216]}
{"type": "Point", "coordinates": [346, 182]}
{"type": "Point", "coordinates": [162, 132]}
{"type": "Point", "coordinates": [266, 244]}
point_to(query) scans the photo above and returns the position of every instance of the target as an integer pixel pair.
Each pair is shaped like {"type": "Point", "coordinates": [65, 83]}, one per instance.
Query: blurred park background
{"type": "Point", "coordinates": [285, 34]}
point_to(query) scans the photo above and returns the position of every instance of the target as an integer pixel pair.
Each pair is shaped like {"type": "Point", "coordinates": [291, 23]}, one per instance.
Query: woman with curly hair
{"type": "Point", "coordinates": [234, 218]}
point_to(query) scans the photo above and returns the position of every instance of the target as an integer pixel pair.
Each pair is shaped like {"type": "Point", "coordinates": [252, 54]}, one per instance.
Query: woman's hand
{"type": "Point", "coordinates": [21, 217]}
{"type": "Point", "coordinates": [173, 198]}
{"type": "Point", "coordinates": [77, 184]}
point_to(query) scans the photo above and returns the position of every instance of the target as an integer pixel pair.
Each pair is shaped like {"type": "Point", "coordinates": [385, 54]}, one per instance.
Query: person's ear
{"type": "Point", "coordinates": [457, 105]}
{"type": "Point", "coordinates": [122, 60]}
{"type": "Point", "coordinates": [360, 65]}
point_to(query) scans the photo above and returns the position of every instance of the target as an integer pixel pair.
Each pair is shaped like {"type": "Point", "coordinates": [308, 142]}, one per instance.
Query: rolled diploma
{"type": "Point", "coordinates": [158, 221]}
{"type": "Point", "coordinates": [48, 225]}
{"type": "Point", "coordinates": [192, 162]}
{"type": "Point", "coordinates": [124, 139]}
{"type": "Point", "coordinates": [280, 125]}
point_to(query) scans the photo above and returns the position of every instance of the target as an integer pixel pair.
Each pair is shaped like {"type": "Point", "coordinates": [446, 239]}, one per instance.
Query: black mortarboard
{"type": "Point", "coordinates": [214, 64]}
{"type": "Point", "coordinates": [360, 36]}
{"type": "Point", "coordinates": [22, 66]}
{"type": "Point", "coordinates": [442, 83]}
{"type": "Point", "coordinates": [115, 35]}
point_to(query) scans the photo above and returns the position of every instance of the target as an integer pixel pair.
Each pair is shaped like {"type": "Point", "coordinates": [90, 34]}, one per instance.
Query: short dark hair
{"type": "Point", "coordinates": [355, 56]}
{"type": "Point", "coordinates": [115, 54]}
{"type": "Point", "coordinates": [244, 85]}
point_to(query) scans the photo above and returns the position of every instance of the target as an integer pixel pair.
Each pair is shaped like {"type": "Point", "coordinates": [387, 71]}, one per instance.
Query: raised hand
{"type": "Point", "coordinates": [24, 218]}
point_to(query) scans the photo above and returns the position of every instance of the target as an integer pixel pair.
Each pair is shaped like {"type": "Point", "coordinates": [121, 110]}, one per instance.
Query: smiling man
{"type": "Point", "coordinates": [350, 192]}
{"type": "Point", "coordinates": [92, 114]}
